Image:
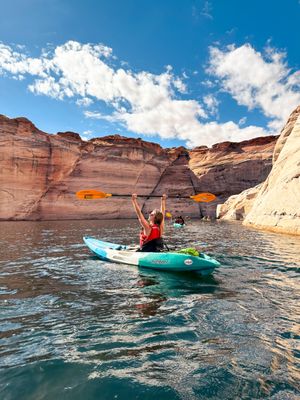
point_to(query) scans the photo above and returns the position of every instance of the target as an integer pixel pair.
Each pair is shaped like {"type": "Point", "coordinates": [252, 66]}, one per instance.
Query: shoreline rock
{"type": "Point", "coordinates": [273, 205]}
{"type": "Point", "coordinates": [277, 205]}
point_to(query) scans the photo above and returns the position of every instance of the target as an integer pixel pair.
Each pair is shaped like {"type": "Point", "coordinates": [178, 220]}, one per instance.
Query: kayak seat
{"type": "Point", "coordinates": [154, 246]}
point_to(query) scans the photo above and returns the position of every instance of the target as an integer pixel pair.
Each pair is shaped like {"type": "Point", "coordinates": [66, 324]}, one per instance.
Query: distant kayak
{"type": "Point", "coordinates": [167, 261]}
{"type": "Point", "coordinates": [176, 225]}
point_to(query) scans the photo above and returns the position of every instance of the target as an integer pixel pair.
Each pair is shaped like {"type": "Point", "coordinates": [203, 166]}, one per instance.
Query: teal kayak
{"type": "Point", "coordinates": [166, 261]}
{"type": "Point", "coordinates": [176, 225]}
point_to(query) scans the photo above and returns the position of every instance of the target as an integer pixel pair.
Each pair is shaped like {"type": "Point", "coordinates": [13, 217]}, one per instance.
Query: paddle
{"type": "Point", "coordinates": [97, 194]}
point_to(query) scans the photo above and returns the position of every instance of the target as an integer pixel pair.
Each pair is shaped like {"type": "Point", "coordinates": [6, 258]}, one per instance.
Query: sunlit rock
{"type": "Point", "coordinates": [40, 173]}
{"type": "Point", "coordinates": [238, 206]}
{"type": "Point", "coordinates": [277, 206]}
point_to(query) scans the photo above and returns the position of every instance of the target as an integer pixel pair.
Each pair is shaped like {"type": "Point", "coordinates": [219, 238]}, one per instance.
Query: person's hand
{"type": "Point", "coordinates": [164, 197]}
{"type": "Point", "coordinates": [134, 196]}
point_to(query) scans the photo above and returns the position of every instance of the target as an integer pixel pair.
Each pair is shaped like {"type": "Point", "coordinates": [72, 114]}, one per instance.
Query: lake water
{"type": "Point", "coordinates": [74, 327]}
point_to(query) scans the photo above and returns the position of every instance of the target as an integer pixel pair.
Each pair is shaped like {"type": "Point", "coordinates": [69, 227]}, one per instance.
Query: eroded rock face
{"type": "Point", "coordinates": [238, 206]}
{"type": "Point", "coordinates": [229, 168]}
{"type": "Point", "coordinates": [32, 162]}
{"type": "Point", "coordinates": [40, 173]}
{"type": "Point", "coordinates": [277, 206]}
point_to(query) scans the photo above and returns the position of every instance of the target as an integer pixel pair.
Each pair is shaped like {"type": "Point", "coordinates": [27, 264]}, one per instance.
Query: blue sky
{"type": "Point", "coordinates": [173, 72]}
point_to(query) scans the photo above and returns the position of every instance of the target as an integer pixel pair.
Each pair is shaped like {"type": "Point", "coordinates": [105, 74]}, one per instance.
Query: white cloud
{"type": "Point", "coordinates": [257, 81]}
{"type": "Point", "coordinates": [208, 83]}
{"type": "Point", "coordinates": [180, 85]}
{"type": "Point", "coordinates": [211, 103]}
{"type": "Point", "coordinates": [86, 135]}
{"type": "Point", "coordinates": [206, 11]}
{"type": "Point", "coordinates": [171, 118]}
{"type": "Point", "coordinates": [47, 86]}
{"type": "Point", "coordinates": [85, 102]}
{"type": "Point", "coordinates": [98, 115]}
{"type": "Point", "coordinates": [93, 114]}
{"type": "Point", "coordinates": [18, 77]}
{"type": "Point", "coordinates": [149, 104]}
{"type": "Point", "coordinates": [242, 121]}
{"type": "Point", "coordinates": [18, 63]}
{"type": "Point", "coordinates": [229, 131]}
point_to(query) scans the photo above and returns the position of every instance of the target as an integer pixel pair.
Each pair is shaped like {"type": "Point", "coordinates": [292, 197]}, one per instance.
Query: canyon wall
{"type": "Point", "coordinates": [40, 173]}
{"type": "Point", "coordinates": [273, 204]}
{"type": "Point", "coordinates": [277, 204]}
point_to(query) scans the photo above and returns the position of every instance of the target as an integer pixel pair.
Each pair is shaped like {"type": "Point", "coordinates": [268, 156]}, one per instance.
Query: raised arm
{"type": "Point", "coordinates": [163, 211]}
{"type": "Point", "coordinates": [139, 214]}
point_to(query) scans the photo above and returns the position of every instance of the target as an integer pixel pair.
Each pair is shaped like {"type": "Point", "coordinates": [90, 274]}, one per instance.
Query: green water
{"type": "Point", "coordinates": [74, 327]}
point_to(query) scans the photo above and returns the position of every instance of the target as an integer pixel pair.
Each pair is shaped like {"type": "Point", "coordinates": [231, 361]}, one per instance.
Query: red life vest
{"type": "Point", "coordinates": [154, 234]}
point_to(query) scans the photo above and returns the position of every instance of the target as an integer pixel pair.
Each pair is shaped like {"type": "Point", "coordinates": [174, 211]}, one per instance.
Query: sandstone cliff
{"type": "Point", "coordinates": [238, 206]}
{"type": "Point", "coordinates": [277, 205]}
{"type": "Point", "coordinates": [229, 168]}
{"type": "Point", "coordinates": [40, 173]}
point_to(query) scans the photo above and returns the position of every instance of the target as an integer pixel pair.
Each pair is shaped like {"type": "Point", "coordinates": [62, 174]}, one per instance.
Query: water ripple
{"type": "Point", "coordinates": [73, 327]}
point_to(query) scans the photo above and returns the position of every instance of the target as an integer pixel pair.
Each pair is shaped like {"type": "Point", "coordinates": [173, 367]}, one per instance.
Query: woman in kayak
{"type": "Point", "coordinates": [153, 229]}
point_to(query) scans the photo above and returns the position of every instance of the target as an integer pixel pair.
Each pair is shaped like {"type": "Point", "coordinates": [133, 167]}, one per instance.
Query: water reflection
{"type": "Point", "coordinates": [176, 284]}
{"type": "Point", "coordinates": [158, 287]}
{"type": "Point", "coordinates": [66, 313]}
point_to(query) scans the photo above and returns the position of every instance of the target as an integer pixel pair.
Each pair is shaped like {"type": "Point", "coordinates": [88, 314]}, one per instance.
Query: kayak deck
{"type": "Point", "coordinates": [167, 261]}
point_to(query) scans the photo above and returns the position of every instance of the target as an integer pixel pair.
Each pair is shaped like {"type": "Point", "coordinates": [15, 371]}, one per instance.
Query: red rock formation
{"type": "Point", "coordinates": [229, 168]}
{"type": "Point", "coordinates": [40, 173]}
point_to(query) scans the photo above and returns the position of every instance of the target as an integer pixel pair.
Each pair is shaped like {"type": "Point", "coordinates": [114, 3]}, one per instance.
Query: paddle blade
{"type": "Point", "coordinates": [203, 197]}
{"type": "Point", "coordinates": [91, 194]}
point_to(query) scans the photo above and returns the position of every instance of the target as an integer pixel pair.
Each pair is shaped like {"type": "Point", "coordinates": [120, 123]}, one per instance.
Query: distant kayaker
{"type": "Point", "coordinates": [179, 220]}
{"type": "Point", "coordinates": [153, 229]}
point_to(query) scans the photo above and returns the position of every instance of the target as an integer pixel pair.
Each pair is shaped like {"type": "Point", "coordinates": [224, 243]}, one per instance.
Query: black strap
{"type": "Point", "coordinates": [166, 246]}
{"type": "Point", "coordinates": [154, 245]}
